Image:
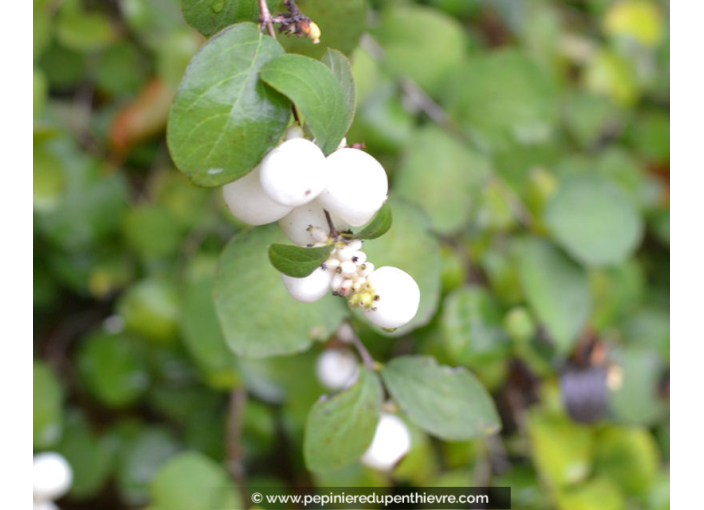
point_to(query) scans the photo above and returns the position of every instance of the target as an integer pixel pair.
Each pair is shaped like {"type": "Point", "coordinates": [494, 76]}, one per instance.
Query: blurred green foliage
{"type": "Point", "coordinates": [527, 145]}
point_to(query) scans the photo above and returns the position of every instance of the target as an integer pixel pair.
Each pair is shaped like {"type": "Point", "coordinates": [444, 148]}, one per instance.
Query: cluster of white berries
{"type": "Point", "coordinates": [314, 198]}
{"type": "Point", "coordinates": [52, 477]}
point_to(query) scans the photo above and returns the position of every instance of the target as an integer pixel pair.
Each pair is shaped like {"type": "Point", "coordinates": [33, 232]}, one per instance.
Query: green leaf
{"type": "Point", "coordinates": [342, 69]}
{"type": "Point", "coordinates": [594, 494]}
{"type": "Point", "coordinates": [447, 402]}
{"type": "Point", "coordinates": [139, 461]}
{"type": "Point", "coordinates": [113, 368]}
{"type": "Point", "coordinates": [562, 449]}
{"type": "Point", "coordinates": [203, 337]}
{"type": "Point", "coordinates": [421, 43]}
{"type": "Point", "coordinates": [594, 220]}
{"type": "Point", "coordinates": [223, 119]}
{"type": "Point", "coordinates": [258, 316]}
{"type": "Point", "coordinates": [472, 327]}
{"type": "Point", "coordinates": [211, 16]}
{"type": "Point", "coordinates": [91, 457]}
{"type": "Point", "coordinates": [151, 309]}
{"type": "Point", "coordinates": [191, 481]}
{"type": "Point", "coordinates": [152, 231]}
{"type": "Point", "coordinates": [341, 25]}
{"type": "Point", "coordinates": [83, 30]}
{"type": "Point", "coordinates": [410, 246]}
{"type": "Point", "coordinates": [628, 456]}
{"type": "Point", "coordinates": [557, 290]}
{"type": "Point", "coordinates": [636, 401]}
{"type": "Point", "coordinates": [432, 160]}
{"type": "Point", "coordinates": [317, 94]}
{"type": "Point", "coordinates": [298, 261]}
{"type": "Point", "coordinates": [378, 226]}
{"type": "Point", "coordinates": [47, 414]}
{"type": "Point", "coordinates": [341, 428]}
{"type": "Point", "coordinates": [502, 98]}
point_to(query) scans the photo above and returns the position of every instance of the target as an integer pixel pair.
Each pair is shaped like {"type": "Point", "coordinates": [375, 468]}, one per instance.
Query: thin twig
{"type": "Point", "coordinates": [233, 446]}
{"type": "Point", "coordinates": [363, 352]}
{"type": "Point", "coordinates": [333, 231]}
{"type": "Point", "coordinates": [265, 18]}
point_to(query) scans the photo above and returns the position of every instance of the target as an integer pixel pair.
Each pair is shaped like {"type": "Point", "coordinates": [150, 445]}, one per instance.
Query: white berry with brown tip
{"type": "Point", "coordinates": [357, 186]}
{"type": "Point", "coordinates": [310, 288]}
{"type": "Point", "coordinates": [247, 201]}
{"type": "Point", "coordinates": [298, 225]}
{"type": "Point", "coordinates": [294, 173]}
{"type": "Point", "coordinates": [398, 297]}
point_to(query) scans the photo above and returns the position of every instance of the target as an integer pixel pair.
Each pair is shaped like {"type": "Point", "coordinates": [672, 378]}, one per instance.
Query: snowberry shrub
{"type": "Point", "coordinates": [270, 128]}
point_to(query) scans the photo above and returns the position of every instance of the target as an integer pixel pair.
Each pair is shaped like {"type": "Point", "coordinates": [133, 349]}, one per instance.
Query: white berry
{"type": "Point", "coordinates": [248, 203]}
{"type": "Point", "coordinates": [297, 224]}
{"type": "Point", "coordinates": [357, 186]}
{"type": "Point", "coordinates": [294, 173]}
{"type": "Point", "coordinates": [337, 368]}
{"type": "Point", "coordinates": [392, 440]}
{"type": "Point", "coordinates": [399, 297]}
{"type": "Point", "coordinates": [52, 476]}
{"type": "Point", "coordinates": [310, 288]}
{"type": "Point", "coordinates": [44, 505]}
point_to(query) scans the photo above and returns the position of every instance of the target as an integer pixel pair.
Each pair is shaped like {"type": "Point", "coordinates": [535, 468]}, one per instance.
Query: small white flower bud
{"type": "Point", "coordinates": [357, 186]}
{"type": "Point", "coordinates": [346, 286]}
{"type": "Point", "coordinates": [399, 297]}
{"type": "Point", "coordinates": [348, 268]}
{"type": "Point", "coordinates": [392, 440]}
{"type": "Point", "coordinates": [336, 282]}
{"type": "Point", "coordinates": [345, 253]}
{"type": "Point", "coordinates": [294, 131]}
{"type": "Point", "coordinates": [337, 368]}
{"type": "Point", "coordinates": [310, 288]}
{"type": "Point", "coordinates": [366, 269]}
{"type": "Point", "coordinates": [294, 173]}
{"type": "Point", "coordinates": [355, 244]}
{"type": "Point", "coordinates": [332, 263]}
{"type": "Point", "coordinates": [359, 257]}
{"type": "Point", "coordinates": [248, 203]}
{"type": "Point", "coordinates": [52, 476]}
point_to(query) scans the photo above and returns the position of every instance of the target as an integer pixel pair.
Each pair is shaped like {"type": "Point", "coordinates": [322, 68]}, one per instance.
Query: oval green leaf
{"type": "Point", "coordinates": [297, 261]}
{"type": "Point", "coordinates": [447, 402]}
{"type": "Point", "coordinates": [223, 119]}
{"type": "Point", "coordinates": [557, 290]}
{"type": "Point", "coordinates": [342, 69]}
{"type": "Point", "coordinates": [257, 315]}
{"type": "Point", "coordinates": [341, 428]}
{"type": "Point", "coordinates": [315, 91]}
{"type": "Point", "coordinates": [594, 220]}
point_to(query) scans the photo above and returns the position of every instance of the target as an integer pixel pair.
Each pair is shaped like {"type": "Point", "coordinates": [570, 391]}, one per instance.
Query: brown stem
{"type": "Point", "coordinates": [363, 352]}
{"type": "Point", "coordinates": [265, 18]}
{"type": "Point", "coordinates": [333, 231]}
{"type": "Point", "coordinates": [233, 446]}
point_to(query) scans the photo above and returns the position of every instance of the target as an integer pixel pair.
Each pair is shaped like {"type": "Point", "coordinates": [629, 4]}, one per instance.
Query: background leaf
{"type": "Point", "coordinates": [447, 402]}
{"type": "Point", "coordinates": [248, 289]}
{"type": "Point", "coordinates": [223, 119]}
{"type": "Point", "coordinates": [593, 220]}
{"type": "Point", "coordinates": [317, 94]}
{"type": "Point", "coordinates": [47, 412]}
{"type": "Point", "coordinates": [556, 289]}
{"type": "Point", "coordinates": [340, 428]}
